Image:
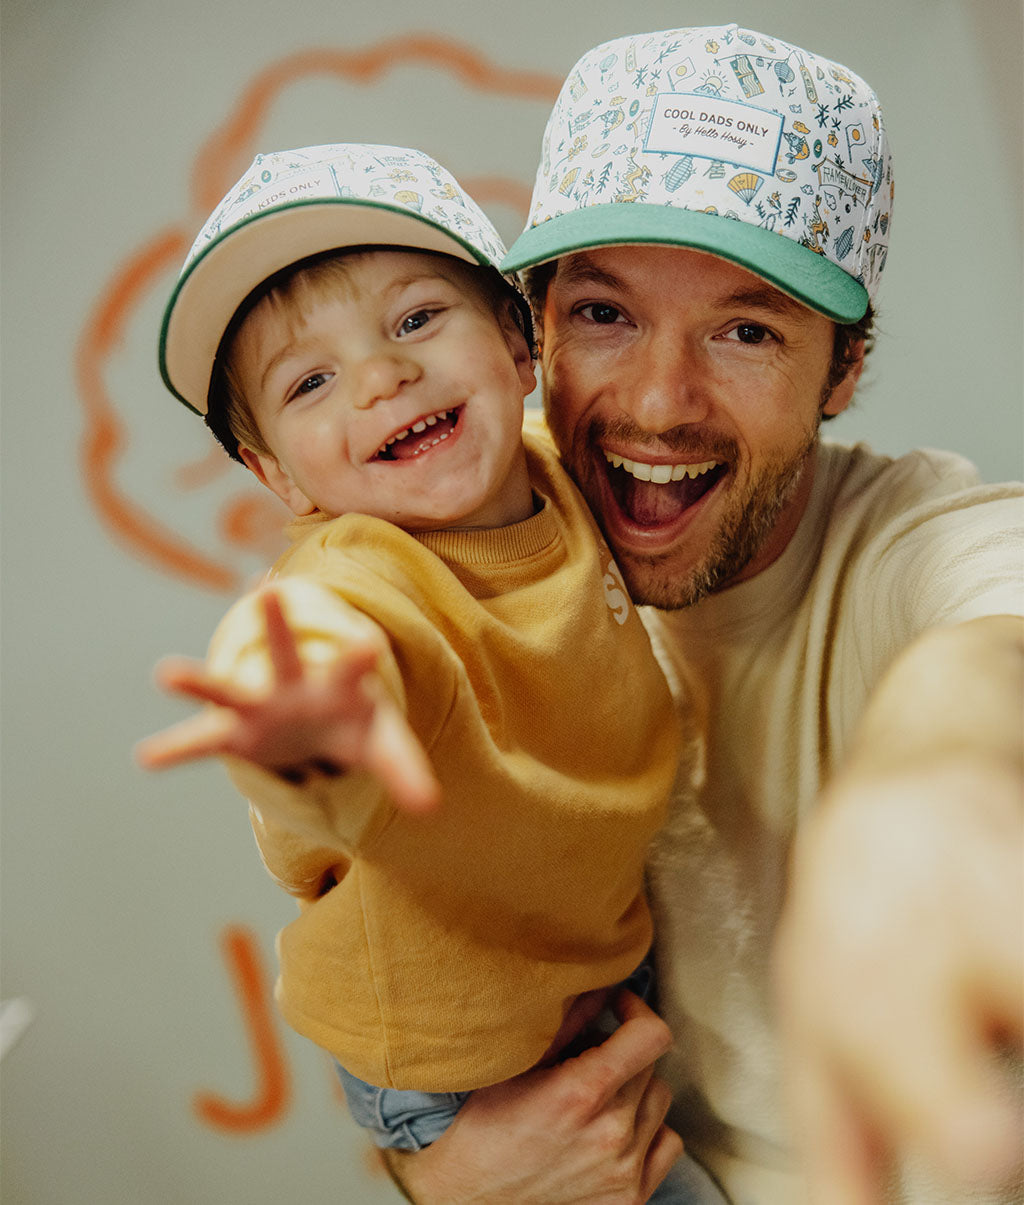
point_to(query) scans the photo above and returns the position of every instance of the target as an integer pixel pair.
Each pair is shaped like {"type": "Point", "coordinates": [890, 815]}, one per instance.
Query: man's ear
{"type": "Point", "coordinates": [511, 324]}
{"type": "Point", "coordinates": [273, 476]}
{"type": "Point", "coordinates": [842, 394]}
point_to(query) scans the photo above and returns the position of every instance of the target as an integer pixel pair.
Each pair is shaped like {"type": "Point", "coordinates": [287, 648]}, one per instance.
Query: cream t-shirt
{"type": "Point", "coordinates": [782, 666]}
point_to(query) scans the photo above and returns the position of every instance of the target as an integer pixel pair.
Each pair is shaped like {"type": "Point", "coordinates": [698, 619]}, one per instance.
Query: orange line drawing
{"type": "Point", "coordinates": [201, 471]}
{"type": "Point", "coordinates": [219, 162]}
{"type": "Point", "coordinates": [105, 438]}
{"type": "Point", "coordinates": [226, 154]}
{"type": "Point", "coordinates": [253, 521]}
{"type": "Point", "coordinates": [272, 1094]}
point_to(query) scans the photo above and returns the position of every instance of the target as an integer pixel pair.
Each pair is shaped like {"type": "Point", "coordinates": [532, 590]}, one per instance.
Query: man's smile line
{"type": "Point", "coordinates": [659, 474]}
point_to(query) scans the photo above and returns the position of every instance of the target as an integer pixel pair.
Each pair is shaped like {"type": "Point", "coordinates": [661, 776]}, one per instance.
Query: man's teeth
{"type": "Point", "coordinates": [421, 425]}
{"type": "Point", "coordinates": [659, 474]}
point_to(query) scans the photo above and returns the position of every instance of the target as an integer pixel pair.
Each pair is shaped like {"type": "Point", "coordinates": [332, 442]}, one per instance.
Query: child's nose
{"type": "Point", "coordinates": [381, 376]}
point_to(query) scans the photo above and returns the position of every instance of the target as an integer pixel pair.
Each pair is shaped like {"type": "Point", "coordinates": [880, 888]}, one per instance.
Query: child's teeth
{"type": "Point", "coordinates": [417, 428]}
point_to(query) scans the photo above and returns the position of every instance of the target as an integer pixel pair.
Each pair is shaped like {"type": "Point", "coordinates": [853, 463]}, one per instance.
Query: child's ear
{"type": "Point", "coordinates": [511, 324]}
{"type": "Point", "coordinates": [269, 471]}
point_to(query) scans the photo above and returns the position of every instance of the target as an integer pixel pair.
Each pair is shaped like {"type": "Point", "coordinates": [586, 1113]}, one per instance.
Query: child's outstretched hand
{"type": "Point", "coordinates": [324, 720]}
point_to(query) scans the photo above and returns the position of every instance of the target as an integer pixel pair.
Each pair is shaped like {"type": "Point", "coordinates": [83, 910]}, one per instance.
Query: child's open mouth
{"type": "Point", "coordinates": [653, 494]}
{"type": "Point", "coordinates": [424, 434]}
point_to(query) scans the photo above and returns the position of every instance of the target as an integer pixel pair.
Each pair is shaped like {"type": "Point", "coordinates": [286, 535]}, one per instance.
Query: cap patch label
{"type": "Point", "coordinates": [690, 123]}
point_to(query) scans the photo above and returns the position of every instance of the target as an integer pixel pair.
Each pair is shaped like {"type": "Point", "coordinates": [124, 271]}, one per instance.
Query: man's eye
{"type": "Point", "coordinates": [601, 312]}
{"type": "Point", "coordinates": [751, 332]}
{"type": "Point", "coordinates": [414, 322]}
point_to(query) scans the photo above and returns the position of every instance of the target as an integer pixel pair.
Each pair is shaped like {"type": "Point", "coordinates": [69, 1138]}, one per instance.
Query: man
{"type": "Point", "coordinates": [709, 228]}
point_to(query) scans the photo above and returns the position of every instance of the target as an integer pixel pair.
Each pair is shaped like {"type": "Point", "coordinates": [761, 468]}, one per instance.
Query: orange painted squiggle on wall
{"type": "Point", "coordinates": [227, 153]}
{"type": "Point", "coordinates": [219, 162]}
{"type": "Point", "coordinates": [272, 1090]}
{"type": "Point", "coordinates": [105, 436]}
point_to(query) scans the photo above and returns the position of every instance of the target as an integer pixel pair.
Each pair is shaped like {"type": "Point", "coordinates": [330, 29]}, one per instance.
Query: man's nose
{"type": "Point", "coordinates": [381, 374]}
{"type": "Point", "coordinates": [669, 384]}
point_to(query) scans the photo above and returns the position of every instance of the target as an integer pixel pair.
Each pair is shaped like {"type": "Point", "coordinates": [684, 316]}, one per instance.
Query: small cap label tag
{"type": "Point", "coordinates": [690, 123]}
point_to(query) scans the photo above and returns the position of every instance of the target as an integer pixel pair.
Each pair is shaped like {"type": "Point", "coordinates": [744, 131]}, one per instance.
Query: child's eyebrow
{"type": "Point", "coordinates": [403, 282]}
{"type": "Point", "coordinates": [290, 347]}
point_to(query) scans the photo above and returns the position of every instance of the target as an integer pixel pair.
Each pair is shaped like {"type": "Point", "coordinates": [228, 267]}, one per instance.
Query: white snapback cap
{"type": "Point", "coordinates": [726, 141]}
{"type": "Point", "coordinates": [290, 205]}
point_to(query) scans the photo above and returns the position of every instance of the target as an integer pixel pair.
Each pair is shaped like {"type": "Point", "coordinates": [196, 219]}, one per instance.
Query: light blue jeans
{"type": "Point", "coordinates": [412, 1120]}
{"type": "Point", "coordinates": [409, 1121]}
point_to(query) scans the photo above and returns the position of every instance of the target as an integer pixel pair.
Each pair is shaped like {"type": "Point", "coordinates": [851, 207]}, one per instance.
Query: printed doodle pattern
{"type": "Point", "coordinates": [389, 176]}
{"type": "Point", "coordinates": [725, 121]}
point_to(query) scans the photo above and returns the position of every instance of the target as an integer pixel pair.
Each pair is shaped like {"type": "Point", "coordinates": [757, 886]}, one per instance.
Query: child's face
{"type": "Point", "coordinates": [398, 395]}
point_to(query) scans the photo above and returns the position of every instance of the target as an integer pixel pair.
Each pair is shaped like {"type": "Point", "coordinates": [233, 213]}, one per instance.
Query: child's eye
{"type": "Point", "coordinates": [415, 322]}
{"type": "Point", "coordinates": [601, 312]}
{"type": "Point", "coordinates": [311, 383]}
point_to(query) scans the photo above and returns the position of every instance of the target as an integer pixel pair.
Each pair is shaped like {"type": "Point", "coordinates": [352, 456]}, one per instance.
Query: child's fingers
{"type": "Point", "coordinates": [284, 653]}
{"type": "Point", "coordinates": [204, 735]}
{"type": "Point", "coordinates": [351, 667]}
{"type": "Point", "coordinates": [397, 758]}
{"type": "Point", "coordinates": [189, 677]}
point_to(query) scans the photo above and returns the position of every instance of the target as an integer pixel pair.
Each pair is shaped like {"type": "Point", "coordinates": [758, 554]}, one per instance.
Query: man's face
{"type": "Point", "coordinates": [685, 394]}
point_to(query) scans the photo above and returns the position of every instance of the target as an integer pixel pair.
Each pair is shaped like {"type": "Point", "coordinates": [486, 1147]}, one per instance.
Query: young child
{"type": "Point", "coordinates": [444, 709]}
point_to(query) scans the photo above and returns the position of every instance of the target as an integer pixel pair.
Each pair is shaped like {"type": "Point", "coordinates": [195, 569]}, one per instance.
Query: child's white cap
{"type": "Point", "coordinates": [727, 141]}
{"type": "Point", "coordinates": [290, 205]}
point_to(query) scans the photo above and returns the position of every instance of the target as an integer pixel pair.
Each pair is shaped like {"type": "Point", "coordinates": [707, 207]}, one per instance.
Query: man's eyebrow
{"type": "Point", "coordinates": [765, 297]}
{"type": "Point", "coordinates": [578, 269]}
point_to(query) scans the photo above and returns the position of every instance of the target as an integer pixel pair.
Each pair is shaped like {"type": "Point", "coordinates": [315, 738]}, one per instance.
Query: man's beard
{"type": "Point", "coordinates": [748, 520]}
{"type": "Point", "coordinates": [746, 524]}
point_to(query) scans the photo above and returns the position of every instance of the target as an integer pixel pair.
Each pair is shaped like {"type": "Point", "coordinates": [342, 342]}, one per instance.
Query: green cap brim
{"type": "Point", "coordinates": [795, 269]}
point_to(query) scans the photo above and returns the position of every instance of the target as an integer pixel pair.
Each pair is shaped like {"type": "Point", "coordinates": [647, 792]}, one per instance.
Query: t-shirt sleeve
{"type": "Point", "coordinates": [947, 559]}
{"type": "Point", "coordinates": [943, 565]}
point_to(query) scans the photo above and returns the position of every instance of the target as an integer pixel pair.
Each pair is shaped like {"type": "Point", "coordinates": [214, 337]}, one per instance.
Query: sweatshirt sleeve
{"type": "Point", "coordinates": [305, 832]}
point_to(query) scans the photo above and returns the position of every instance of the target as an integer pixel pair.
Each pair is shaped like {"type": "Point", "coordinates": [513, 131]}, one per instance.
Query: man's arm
{"type": "Point", "coordinates": [588, 1131]}
{"type": "Point", "coordinates": [901, 954]}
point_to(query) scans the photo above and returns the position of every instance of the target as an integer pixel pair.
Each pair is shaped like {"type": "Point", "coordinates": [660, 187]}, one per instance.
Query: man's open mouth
{"type": "Point", "coordinates": [425, 433]}
{"type": "Point", "coordinates": [651, 495]}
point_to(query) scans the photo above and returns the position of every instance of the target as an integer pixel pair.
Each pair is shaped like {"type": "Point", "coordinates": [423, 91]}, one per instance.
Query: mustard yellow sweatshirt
{"type": "Point", "coordinates": [440, 953]}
